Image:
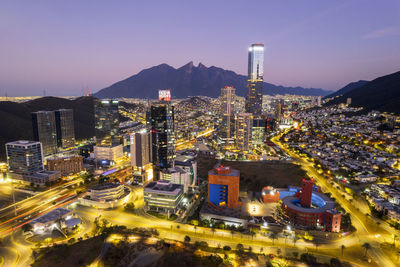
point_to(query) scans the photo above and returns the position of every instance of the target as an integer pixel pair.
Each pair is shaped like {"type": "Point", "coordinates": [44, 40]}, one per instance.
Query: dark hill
{"type": "Point", "coordinates": [381, 94]}
{"type": "Point", "coordinates": [347, 88]}
{"type": "Point", "coordinates": [15, 123]}
{"type": "Point", "coordinates": [190, 80]}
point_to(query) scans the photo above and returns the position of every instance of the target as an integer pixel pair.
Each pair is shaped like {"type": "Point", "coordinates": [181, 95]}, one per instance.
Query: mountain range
{"type": "Point", "coordinates": [191, 80]}
{"type": "Point", "coordinates": [381, 94]}
{"type": "Point", "coordinates": [351, 86]}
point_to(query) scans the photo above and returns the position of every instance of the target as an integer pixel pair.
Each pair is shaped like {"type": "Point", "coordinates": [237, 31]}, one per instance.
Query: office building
{"type": "Point", "coordinates": [244, 125]}
{"type": "Point", "coordinates": [226, 132]}
{"type": "Point", "coordinates": [270, 194]}
{"type": "Point", "coordinates": [24, 157]}
{"type": "Point", "coordinates": [105, 196]}
{"type": "Point", "coordinates": [141, 152]}
{"type": "Point", "coordinates": [223, 187]}
{"type": "Point", "coordinates": [65, 128]}
{"type": "Point", "coordinates": [161, 122]}
{"type": "Point", "coordinates": [255, 79]}
{"type": "Point", "coordinates": [106, 122]}
{"type": "Point", "coordinates": [177, 175]}
{"type": "Point", "coordinates": [188, 164]}
{"type": "Point", "coordinates": [66, 165]}
{"type": "Point", "coordinates": [163, 196]}
{"type": "Point", "coordinates": [278, 112]}
{"type": "Point", "coordinates": [258, 131]}
{"type": "Point", "coordinates": [110, 153]}
{"type": "Point", "coordinates": [44, 131]}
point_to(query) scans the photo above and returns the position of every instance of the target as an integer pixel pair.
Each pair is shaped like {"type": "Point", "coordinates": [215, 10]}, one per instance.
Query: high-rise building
{"type": "Point", "coordinates": [278, 112]}
{"type": "Point", "coordinates": [226, 132]}
{"type": "Point", "coordinates": [255, 79]}
{"type": "Point", "coordinates": [258, 131]}
{"type": "Point", "coordinates": [223, 187]}
{"type": "Point", "coordinates": [161, 122]}
{"type": "Point", "coordinates": [65, 128]}
{"type": "Point", "coordinates": [44, 131]}
{"type": "Point", "coordinates": [141, 153]}
{"type": "Point", "coordinates": [244, 125]}
{"type": "Point", "coordinates": [24, 157]}
{"type": "Point", "coordinates": [106, 122]}
{"type": "Point", "coordinates": [66, 165]}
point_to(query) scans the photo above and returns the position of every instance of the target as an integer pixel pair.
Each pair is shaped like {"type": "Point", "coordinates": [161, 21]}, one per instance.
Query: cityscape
{"type": "Point", "coordinates": [198, 165]}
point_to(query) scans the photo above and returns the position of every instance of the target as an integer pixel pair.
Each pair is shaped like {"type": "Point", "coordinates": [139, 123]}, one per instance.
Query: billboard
{"type": "Point", "coordinates": [164, 95]}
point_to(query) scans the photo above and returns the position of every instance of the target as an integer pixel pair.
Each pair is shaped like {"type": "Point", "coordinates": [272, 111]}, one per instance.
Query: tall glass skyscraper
{"type": "Point", "coordinates": [44, 131]}
{"type": "Point", "coordinates": [255, 79]}
{"type": "Point", "coordinates": [106, 123]}
{"type": "Point", "coordinates": [228, 99]}
{"type": "Point", "coordinates": [161, 121]}
{"type": "Point", "coordinates": [65, 128]}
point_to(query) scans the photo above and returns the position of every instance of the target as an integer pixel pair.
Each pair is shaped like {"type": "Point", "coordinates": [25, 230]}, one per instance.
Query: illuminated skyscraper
{"type": "Point", "coordinates": [255, 79]}
{"type": "Point", "coordinates": [161, 122]}
{"type": "Point", "coordinates": [65, 128]}
{"type": "Point", "coordinates": [227, 112]}
{"type": "Point", "coordinates": [244, 125]}
{"type": "Point", "coordinates": [106, 122]}
{"type": "Point", "coordinates": [44, 131]}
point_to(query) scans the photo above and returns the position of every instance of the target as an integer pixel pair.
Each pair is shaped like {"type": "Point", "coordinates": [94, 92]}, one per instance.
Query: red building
{"type": "Point", "coordinates": [306, 193]}
{"type": "Point", "coordinates": [332, 220]}
{"type": "Point", "coordinates": [270, 194]}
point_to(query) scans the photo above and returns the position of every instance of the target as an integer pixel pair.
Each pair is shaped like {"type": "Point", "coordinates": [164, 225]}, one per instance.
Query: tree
{"type": "Point", "coordinates": [278, 251]}
{"type": "Point", "coordinates": [295, 254]}
{"type": "Point", "coordinates": [273, 236]}
{"type": "Point", "coordinates": [308, 258]}
{"type": "Point", "coordinates": [187, 239]}
{"type": "Point", "coordinates": [295, 239]}
{"type": "Point", "coordinates": [342, 248]}
{"type": "Point", "coordinates": [232, 232]}
{"type": "Point", "coordinates": [195, 228]}
{"type": "Point", "coordinates": [213, 230]}
{"type": "Point", "coordinates": [227, 248]}
{"type": "Point", "coordinates": [335, 262]}
{"type": "Point", "coordinates": [239, 247]}
{"type": "Point", "coordinates": [367, 247]}
{"type": "Point", "coordinates": [27, 227]}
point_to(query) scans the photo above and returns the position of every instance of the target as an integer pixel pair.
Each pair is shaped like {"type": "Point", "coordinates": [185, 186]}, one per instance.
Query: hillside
{"type": "Point", "coordinates": [347, 88]}
{"type": "Point", "coordinates": [16, 118]}
{"type": "Point", "coordinates": [190, 80]}
{"type": "Point", "coordinates": [381, 94]}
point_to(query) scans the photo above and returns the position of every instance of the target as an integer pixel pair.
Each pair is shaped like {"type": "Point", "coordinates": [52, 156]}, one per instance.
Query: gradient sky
{"type": "Point", "coordinates": [63, 46]}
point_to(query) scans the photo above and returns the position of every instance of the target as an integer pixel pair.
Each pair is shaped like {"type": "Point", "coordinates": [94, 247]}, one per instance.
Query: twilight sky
{"type": "Point", "coordinates": [63, 46]}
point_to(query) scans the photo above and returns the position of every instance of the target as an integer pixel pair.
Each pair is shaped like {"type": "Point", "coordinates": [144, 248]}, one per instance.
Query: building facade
{"type": "Point", "coordinates": [255, 79]}
{"type": "Point", "coordinates": [24, 157]}
{"type": "Point", "coordinates": [141, 150]}
{"type": "Point", "coordinates": [65, 128]}
{"type": "Point", "coordinates": [244, 125]}
{"type": "Point", "coordinates": [227, 128]}
{"type": "Point", "coordinates": [44, 131]}
{"type": "Point", "coordinates": [106, 122]}
{"type": "Point", "coordinates": [66, 165]}
{"type": "Point", "coordinates": [223, 187]}
{"type": "Point", "coordinates": [163, 196]}
{"type": "Point", "coordinates": [161, 122]}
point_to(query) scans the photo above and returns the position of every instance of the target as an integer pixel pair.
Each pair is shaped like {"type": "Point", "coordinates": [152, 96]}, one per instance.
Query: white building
{"type": "Point", "coordinates": [108, 152]}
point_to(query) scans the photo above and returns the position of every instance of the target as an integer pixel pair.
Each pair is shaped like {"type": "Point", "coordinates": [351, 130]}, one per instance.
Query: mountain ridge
{"type": "Point", "coordinates": [190, 80]}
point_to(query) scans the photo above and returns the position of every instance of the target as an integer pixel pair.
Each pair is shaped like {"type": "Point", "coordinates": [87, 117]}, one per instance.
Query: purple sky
{"type": "Point", "coordinates": [62, 46]}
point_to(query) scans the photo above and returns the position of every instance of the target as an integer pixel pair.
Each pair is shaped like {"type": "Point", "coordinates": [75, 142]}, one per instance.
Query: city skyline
{"type": "Point", "coordinates": [62, 48]}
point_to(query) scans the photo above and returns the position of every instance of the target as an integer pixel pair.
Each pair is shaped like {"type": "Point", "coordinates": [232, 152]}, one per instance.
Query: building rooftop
{"type": "Point", "coordinates": [23, 143]}
{"type": "Point", "coordinates": [51, 216]}
{"type": "Point", "coordinates": [163, 187]}
{"type": "Point", "coordinates": [224, 171]}
{"type": "Point", "coordinates": [105, 186]}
